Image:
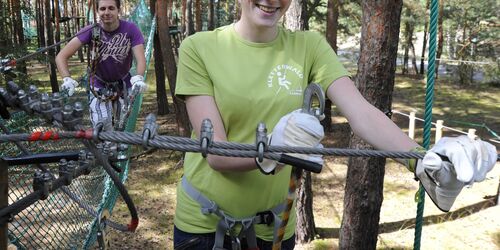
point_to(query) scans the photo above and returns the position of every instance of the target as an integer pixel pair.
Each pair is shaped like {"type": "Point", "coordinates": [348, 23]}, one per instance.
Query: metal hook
{"type": "Point", "coordinates": [314, 89]}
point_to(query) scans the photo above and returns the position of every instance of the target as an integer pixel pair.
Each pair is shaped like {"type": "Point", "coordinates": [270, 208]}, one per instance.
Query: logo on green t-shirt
{"type": "Point", "coordinates": [286, 78]}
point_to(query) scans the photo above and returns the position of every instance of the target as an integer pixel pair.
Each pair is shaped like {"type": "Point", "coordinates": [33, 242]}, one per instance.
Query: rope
{"type": "Point", "coordinates": [429, 94]}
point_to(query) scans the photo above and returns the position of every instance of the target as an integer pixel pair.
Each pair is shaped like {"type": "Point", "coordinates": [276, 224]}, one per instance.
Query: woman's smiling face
{"type": "Point", "coordinates": [263, 13]}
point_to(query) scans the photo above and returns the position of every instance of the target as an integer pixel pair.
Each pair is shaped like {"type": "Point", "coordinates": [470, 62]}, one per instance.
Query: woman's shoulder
{"type": "Point", "coordinates": [308, 35]}
{"type": "Point", "coordinates": [205, 36]}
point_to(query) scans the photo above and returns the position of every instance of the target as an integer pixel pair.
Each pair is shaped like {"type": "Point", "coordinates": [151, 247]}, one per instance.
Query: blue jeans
{"type": "Point", "coordinates": [191, 241]}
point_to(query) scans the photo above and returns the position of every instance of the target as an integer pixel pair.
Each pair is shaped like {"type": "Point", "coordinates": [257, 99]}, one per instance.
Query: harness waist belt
{"type": "Point", "coordinates": [226, 222]}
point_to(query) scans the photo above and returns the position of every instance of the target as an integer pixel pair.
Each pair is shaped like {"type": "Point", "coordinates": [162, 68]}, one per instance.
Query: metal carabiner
{"type": "Point", "coordinates": [314, 89]}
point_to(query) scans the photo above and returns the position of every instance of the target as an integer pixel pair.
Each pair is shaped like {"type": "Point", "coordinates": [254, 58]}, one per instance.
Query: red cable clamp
{"type": "Point", "coordinates": [133, 225]}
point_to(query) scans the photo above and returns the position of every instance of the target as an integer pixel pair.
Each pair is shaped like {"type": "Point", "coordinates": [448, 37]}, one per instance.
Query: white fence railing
{"type": "Point", "coordinates": [439, 127]}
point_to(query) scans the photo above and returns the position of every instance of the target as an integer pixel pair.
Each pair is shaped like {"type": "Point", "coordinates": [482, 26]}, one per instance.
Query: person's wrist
{"type": "Point", "coordinates": [411, 164]}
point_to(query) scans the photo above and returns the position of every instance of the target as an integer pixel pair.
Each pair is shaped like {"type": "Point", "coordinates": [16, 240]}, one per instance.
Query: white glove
{"type": "Point", "coordinates": [69, 84]}
{"type": "Point", "coordinates": [295, 129]}
{"type": "Point", "coordinates": [470, 160]}
{"type": "Point", "coordinates": [138, 82]}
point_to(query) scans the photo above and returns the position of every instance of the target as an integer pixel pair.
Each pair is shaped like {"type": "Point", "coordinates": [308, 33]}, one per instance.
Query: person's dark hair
{"type": "Point", "coordinates": [116, 1]}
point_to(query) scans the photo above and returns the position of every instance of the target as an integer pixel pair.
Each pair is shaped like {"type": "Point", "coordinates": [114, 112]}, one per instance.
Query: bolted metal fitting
{"type": "Point", "coordinates": [42, 182]}
{"type": "Point", "coordinates": [66, 170]}
{"type": "Point", "coordinates": [67, 113]}
{"type": "Point", "coordinates": [261, 140]}
{"type": "Point", "coordinates": [206, 136]}
{"type": "Point", "coordinates": [78, 110]}
{"type": "Point", "coordinates": [149, 130]}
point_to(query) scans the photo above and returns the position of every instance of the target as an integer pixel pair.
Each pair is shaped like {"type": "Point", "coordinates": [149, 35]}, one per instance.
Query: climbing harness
{"type": "Point", "coordinates": [227, 223]}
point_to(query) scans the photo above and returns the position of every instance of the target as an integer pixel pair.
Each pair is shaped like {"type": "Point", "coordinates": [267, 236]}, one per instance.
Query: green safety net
{"type": "Point", "coordinates": [28, 30]}
{"type": "Point", "coordinates": [60, 221]}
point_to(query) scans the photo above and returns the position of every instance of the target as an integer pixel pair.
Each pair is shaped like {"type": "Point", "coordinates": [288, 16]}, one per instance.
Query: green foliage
{"type": "Point", "coordinates": [349, 17]}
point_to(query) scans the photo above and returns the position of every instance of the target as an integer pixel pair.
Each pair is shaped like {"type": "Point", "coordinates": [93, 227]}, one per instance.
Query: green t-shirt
{"type": "Point", "coordinates": [251, 83]}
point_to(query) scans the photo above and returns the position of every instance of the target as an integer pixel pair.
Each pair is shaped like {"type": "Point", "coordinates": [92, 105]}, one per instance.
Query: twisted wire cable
{"type": "Point", "coordinates": [232, 149]}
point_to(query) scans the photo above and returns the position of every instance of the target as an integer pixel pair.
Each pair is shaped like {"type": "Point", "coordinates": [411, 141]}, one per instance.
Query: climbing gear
{"type": "Point", "coordinates": [227, 223]}
{"type": "Point", "coordinates": [313, 89]}
{"type": "Point", "coordinates": [110, 91]}
{"type": "Point", "coordinates": [94, 58]}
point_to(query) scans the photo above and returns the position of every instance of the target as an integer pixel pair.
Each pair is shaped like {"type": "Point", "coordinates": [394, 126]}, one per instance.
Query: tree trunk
{"type": "Point", "coordinates": [40, 20]}
{"type": "Point", "coordinates": [211, 16]}
{"type": "Point", "coordinates": [50, 54]}
{"type": "Point", "coordinates": [3, 31]}
{"type": "Point", "coordinates": [406, 45]}
{"type": "Point", "coordinates": [181, 116]}
{"type": "Point", "coordinates": [424, 46]}
{"type": "Point", "coordinates": [414, 58]}
{"type": "Point", "coordinates": [217, 14]}
{"type": "Point", "coordinates": [183, 18]}
{"type": "Point", "coordinates": [375, 80]}
{"type": "Point", "coordinates": [161, 90]}
{"type": "Point", "coordinates": [18, 32]}
{"type": "Point", "coordinates": [305, 231]}
{"type": "Point", "coordinates": [237, 11]}
{"type": "Point", "coordinates": [306, 228]}
{"type": "Point", "coordinates": [293, 18]}
{"type": "Point", "coordinates": [189, 18]}
{"type": "Point", "coordinates": [199, 22]}
{"type": "Point", "coordinates": [332, 24]}
{"type": "Point", "coordinates": [57, 23]}
{"type": "Point", "coordinates": [78, 25]}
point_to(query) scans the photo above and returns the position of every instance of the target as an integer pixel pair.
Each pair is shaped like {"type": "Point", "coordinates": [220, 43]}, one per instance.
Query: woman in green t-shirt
{"type": "Point", "coordinates": [255, 71]}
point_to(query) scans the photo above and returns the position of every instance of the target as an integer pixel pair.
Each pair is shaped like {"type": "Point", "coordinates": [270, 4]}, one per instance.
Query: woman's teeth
{"type": "Point", "coordinates": [267, 9]}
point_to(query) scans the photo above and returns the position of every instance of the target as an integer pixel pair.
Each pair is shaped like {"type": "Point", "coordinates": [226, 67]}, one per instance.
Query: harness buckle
{"type": "Point", "coordinates": [208, 210]}
{"type": "Point", "coordinates": [266, 217]}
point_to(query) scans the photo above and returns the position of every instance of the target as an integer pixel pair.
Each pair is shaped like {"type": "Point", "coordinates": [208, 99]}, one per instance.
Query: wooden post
{"type": "Point", "coordinates": [439, 130]}
{"type": "Point", "coordinates": [411, 127]}
{"type": "Point", "coordinates": [4, 201]}
{"type": "Point", "coordinates": [472, 133]}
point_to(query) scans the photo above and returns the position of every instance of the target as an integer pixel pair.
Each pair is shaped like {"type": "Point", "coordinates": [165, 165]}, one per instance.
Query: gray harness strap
{"type": "Point", "coordinates": [227, 223]}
